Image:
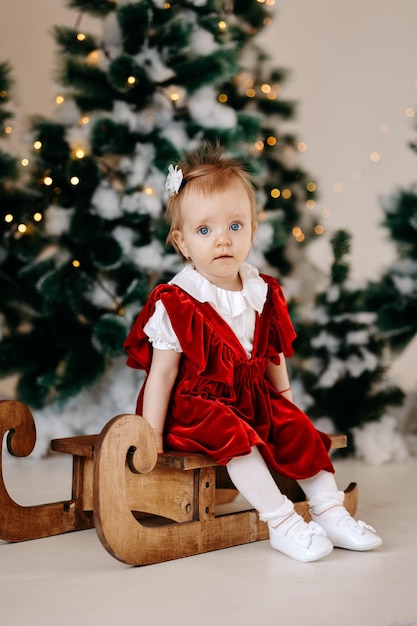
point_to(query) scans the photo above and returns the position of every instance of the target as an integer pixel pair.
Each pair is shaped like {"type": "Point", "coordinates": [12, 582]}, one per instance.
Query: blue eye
{"type": "Point", "coordinates": [203, 230]}
{"type": "Point", "coordinates": [235, 226]}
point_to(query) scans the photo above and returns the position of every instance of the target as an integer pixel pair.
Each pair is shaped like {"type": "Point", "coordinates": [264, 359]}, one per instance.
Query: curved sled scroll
{"type": "Point", "coordinates": [21, 523]}
{"type": "Point", "coordinates": [135, 543]}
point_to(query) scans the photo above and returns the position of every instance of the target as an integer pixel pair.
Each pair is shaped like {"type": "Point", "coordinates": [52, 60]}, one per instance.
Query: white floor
{"type": "Point", "coordinates": [71, 580]}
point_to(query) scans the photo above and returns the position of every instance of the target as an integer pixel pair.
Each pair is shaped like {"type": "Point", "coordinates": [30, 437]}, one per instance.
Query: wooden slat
{"type": "Point", "coordinates": [77, 446]}
{"type": "Point", "coordinates": [83, 445]}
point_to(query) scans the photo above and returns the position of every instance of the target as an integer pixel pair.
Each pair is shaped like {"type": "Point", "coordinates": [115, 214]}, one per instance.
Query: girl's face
{"type": "Point", "coordinates": [217, 233]}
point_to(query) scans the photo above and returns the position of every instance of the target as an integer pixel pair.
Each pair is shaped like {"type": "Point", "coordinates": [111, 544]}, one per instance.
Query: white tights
{"type": "Point", "coordinates": [254, 481]}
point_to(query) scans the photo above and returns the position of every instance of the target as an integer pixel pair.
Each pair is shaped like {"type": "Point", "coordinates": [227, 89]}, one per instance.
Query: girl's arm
{"type": "Point", "coordinates": [277, 375]}
{"type": "Point", "coordinates": [158, 388]}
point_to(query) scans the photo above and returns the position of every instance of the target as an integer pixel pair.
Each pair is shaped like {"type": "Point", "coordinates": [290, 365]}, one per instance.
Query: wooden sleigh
{"type": "Point", "coordinates": [146, 508]}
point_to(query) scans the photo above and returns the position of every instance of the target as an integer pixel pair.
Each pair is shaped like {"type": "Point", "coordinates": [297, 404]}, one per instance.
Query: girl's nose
{"type": "Point", "coordinates": [223, 239]}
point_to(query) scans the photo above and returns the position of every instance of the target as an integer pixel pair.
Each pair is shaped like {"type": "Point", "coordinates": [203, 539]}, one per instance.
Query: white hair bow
{"type": "Point", "coordinates": [174, 180]}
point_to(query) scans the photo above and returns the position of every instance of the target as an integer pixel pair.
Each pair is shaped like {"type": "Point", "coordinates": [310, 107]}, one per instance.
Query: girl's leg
{"type": "Point", "coordinates": [288, 532]}
{"type": "Point", "coordinates": [327, 510]}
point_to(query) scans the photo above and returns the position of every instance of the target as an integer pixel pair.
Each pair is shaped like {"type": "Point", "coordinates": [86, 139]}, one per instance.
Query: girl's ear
{"type": "Point", "coordinates": [254, 229]}
{"type": "Point", "coordinates": [178, 239]}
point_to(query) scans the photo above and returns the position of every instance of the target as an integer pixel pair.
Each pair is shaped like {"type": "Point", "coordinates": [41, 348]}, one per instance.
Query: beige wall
{"type": "Point", "coordinates": [353, 68]}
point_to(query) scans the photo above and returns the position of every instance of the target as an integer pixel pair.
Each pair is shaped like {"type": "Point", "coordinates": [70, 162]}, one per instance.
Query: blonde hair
{"type": "Point", "coordinates": [206, 170]}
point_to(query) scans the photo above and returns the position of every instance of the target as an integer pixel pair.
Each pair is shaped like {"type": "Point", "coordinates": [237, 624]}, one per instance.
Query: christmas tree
{"type": "Point", "coordinates": [162, 78]}
{"type": "Point", "coordinates": [394, 297]}
{"type": "Point", "coordinates": [342, 372]}
{"type": "Point", "coordinates": [18, 211]}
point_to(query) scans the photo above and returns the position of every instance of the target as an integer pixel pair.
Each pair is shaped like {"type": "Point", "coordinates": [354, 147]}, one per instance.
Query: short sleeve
{"type": "Point", "coordinates": [281, 331]}
{"type": "Point", "coordinates": [159, 330]}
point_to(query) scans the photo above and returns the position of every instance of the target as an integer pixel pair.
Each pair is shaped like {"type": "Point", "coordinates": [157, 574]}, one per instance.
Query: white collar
{"type": "Point", "coordinates": [226, 302]}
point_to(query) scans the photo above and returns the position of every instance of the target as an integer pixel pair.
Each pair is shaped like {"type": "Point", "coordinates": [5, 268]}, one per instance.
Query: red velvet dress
{"type": "Point", "coordinates": [221, 403]}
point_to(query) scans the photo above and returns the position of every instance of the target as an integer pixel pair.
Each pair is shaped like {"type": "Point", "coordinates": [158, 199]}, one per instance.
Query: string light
{"type": "Point", "coordinates": [79, 153]}
{"type": "Point", "coordinates": [222, 25]}
{"type": "Point", "coordinates": [59, 100]}
{"type": "Point", "coordinates": [275, 193]}
{"type": "Point", "coordinates": [302, 147]}
{"type": "Point", "coordinates": [175, 94]}
{"type": "Point", "coordinates": [286, 194]}
{"type": "Point", "coordinates": [37, 217]}
{"type": "Point", "coordinates": [251, 93]}
{"type": "Point", "coordinates": [259, 145]}
{"type": "Point", "coordinates": [37, 145]}
{"type": "Point", "coordinates": [148, 191]}
{"type": "Point", "coordinates": [311, 186]}
{"type": "Point", "coordinates": [47, 181]}
{"type": "Point", "coordinates": [74, 180]}
{"type": "Point", "coordinates": [81, 37]}
{"type": "Point", "coordinates": [319, 229]}
{"type": "Point", "coordinates": [76, 263]}
{"type": "Point", "coordinates": [84, 120]}
{"type": "Point", "coordinates": [24, 162]}
{"type": "Point", "coordinates": [93, 58]}
{"type": "Point", "coordinates": [22, 228]}
{"type": "Point", "coordinates": [271, 141]}
{"type": "Point", "coordinates": [298, 234]}
{"type": "Point", "coordinates": [8, 130]}
{"type": "Point", "coordinates": [131, 80]}
{"type": "Point", "coordinates": [223, 98]}
{"type": "Point", "coordinates": [8, 218]}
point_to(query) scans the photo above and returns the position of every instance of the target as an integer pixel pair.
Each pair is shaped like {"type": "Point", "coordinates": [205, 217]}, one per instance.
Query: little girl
{"type": "Point", "coordinates": [213, 342]}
